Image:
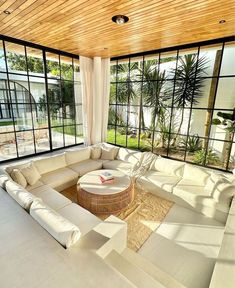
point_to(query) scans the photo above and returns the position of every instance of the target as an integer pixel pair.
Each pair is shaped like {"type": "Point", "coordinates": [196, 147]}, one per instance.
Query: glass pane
{"type": "Point", "coordinates": [197, 123]}
{"type": "Point", "coordinates": [212, 56]}
{"type": "Point", "coordinates": [113, 71]}
{"type": "Point", "coordinates": [135, 66]}
{"type": "Point", "coordinates": [218, 131]}
{"type": "Point", "coordinates": [228, 58]}
{"type": "Point", "coordinates": [79, 131]}
{"type": "Point", "coordinates": [42, 140]}
{"type": "Point", "coordinates": [146, 139]}
{"type": "Point", "coordinates": [193, 146]}
{"type": "Point", "coordinates": [176, 149]}
{"type": "Point", "coordinates": [67, 91]}
{"type": "Point", "coordinates": [68, 114]}
{"type": "Point", "coordinates": [7, 146]}
{"type": "Point", "coordinates": [123, 70]}
{"type": "Point", "coordinates": [41, 118]}
{"type": "Point", "coordinates": [2, 59]}
{"type": "Point", "coordinates": [111, 134]}
{"type": "Point", "coordinates": [16, 60]}
{"type": "Point", "coordinates": [69, 135]}
{"type": "Point", "coordinates": [121, 114]}
{"type": "Point", "coordinates": [79, 119]}
{"type": "Point", "coordinates": [207, 92]}
{"type": "Point", "coordinates": [53, 65]}
{"type": "Point", "coordinates": [112, 96]}
{"type": "Point", "coordinates": [232, 158]}
{"type": "Point", "coordinates": [56, 114]}
{"type": "Point", "coordinates": [35, 61]}
{"type": "Point", "coordinates": [168, 64]}
{"type": "Point", "coordinates": [133, 120]}
{"type": "Point", "coordinates": [37, 89]}
{"type": "Point", "coordinates": [121, 136]}
{"type": "Point", "coordinates": [25, 143]}
{"type": "Point", "coordinates": [160, 143]}
{"type": "Point", "coordinates": [66, 66]}
{"type": "Point", "coordinates": [57, 137]}
{"type": "Point", "coordinates": [180, 121]}
{"type": "Point", "coordinates": [22, 116]}
{"type": "Point", "coordinates": [217, 155]}
{"type": "Point", "coordinates": [225, 97]}
{"type": "Point", "coordinates": [77, 93]}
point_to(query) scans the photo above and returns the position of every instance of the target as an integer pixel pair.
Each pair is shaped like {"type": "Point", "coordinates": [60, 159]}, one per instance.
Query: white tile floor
{"type": "Point", "coordinates": [185, 245]}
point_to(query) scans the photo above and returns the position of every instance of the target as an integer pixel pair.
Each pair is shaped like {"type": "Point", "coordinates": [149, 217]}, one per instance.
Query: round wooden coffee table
{"type": "Point", "coordinates": [101, 198]}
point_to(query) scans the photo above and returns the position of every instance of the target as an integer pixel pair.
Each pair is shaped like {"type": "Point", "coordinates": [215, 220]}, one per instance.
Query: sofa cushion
{"type": "Point", "coordinates": [107, 153]}
{"type": "Point", "coordinates": [95, 152]}
{"type": "Point", "coordinates": [76, 156]}
{"type": "Point", "coordinates": [46, 165]}
{"type": "Point", "coordinates": [194, 194]}
{"type": "Point", "coordinates": [161, 180]}
{"type": "Point", "coordinates": [168, 166]}
{"type": "Point", "coordinates": [51, 197]}
{"type": "Point", "coordinates": [60, 178]}
{"type": "Point", "coordinates": [3, 178]}
{"type": "Point", "coordinates": [31, 173]}
{"type": "Point", "coordinates": [36, 185]}
{"type": "Point", "coordinates": [65, 232]}
{"type": "Point", "coordinates": [81, 217]}
{"type": "Point", "coordinates": [21, 196]}
{"type": "Point", "coordinates": [120, 165]}
{"type": "Point", "coordinates": [18, 177]}
{"type": "Point", "coordinates": [86, 166]}
{"type": "Point", "coordinates": [128, 155]}
{"type": "Point", "coordinates": [196, 174]}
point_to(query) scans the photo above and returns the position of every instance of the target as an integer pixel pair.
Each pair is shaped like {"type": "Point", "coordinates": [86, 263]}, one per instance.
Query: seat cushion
{"type": "Point", "coordinates": [79, 155]}
{"type": "Point", "coordinates": [36, 185]}
{"type": "Point", "coordinates": [20, 195]}
{"type": "Point", "coordinates": [46, 165]}
{"type": "Point", "coordinates": [60, 179]}
{"type": "Point", "coordinates": [81, 217]}
{"type": "Point", "coordinates": [83, 167]}
{"type": "Point", "coordinates": [194, 194]}
{"type": "Point", "coordinates": [51, 197]}
{"type": "Point", "coordinates": [65, 232]}
{"type": "Point", "coordinates": [120, 165]}
{"type": "Point", "coordinates": [161, 180]}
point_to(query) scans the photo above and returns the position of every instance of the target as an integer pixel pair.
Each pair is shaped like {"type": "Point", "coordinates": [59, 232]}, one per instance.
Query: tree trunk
{"type": "Point", "coordinates": [211, 98]}
{"type": "Point", "coordinates": [227, 149]}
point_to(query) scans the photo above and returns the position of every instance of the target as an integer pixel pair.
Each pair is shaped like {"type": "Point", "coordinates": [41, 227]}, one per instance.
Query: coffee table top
{"type": "Point", "coordinates": [92, 184]}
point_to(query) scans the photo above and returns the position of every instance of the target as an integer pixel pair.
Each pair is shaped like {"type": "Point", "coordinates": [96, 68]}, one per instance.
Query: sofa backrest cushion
{"type": "Point", "coordinates": [95, 152]}
{"type": "Point", "coordinates": [65, 232]}
{"type": "Point", "coordinates": [222, 189]}
{"type": "Point", "coordinates": [31, 174]}
{"type": "Point", "coordinates": [18, 177]}
{"type": "Point", "coordinates": [168, 166]}
{"type": "Point", "coordinates": [76, 156]}
{"type": "Point", "coordinates": [196, 174]}
{"type": "Point", "coordinates": [21, 196]}
{"type": "Point", "coordinates": [128, 155]}
{"type": "Point", "coordinates": [3, 178]}
{"type": "Point", "coordinates": [46, 165]}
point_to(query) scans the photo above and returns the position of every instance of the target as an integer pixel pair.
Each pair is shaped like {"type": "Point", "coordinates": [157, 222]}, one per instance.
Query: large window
{"type": "Point", "coordinates": [179, 104]}
{"type": "Point", "coordinates": [40, 100]}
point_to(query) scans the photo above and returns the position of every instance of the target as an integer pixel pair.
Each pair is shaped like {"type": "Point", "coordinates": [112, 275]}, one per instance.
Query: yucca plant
{"type": "Point", "coordinates": [192, 144]}
{"type": "Point", "coordinates": [200, 157]}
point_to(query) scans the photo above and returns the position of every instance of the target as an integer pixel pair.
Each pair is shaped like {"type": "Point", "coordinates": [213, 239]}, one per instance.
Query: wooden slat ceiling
{"type": "Point", "coordinates": [84, 27]}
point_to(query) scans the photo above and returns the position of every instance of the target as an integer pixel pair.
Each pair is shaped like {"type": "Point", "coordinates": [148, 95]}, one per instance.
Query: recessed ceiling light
{"type": "Point", "coordinates": [7, 12]}
{"type": "Point", "coordinates": [120, 19]}
{"type": "Point", "coordinates": [222, 21]}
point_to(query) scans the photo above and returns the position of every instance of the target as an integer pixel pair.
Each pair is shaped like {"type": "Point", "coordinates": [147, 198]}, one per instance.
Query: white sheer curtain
{"type": "Point", "coordinates": [95, 79]}
{"type": "Point", "coordinates": [86, 70]}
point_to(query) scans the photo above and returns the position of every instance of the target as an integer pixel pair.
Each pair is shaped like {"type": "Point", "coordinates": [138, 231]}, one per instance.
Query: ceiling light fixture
{"type": "Point", "coordinates": [120, 19]}
{"type": "Point", "coordinates": [222, 21]}
{"type": "Point", "coordinates": [7, 12]}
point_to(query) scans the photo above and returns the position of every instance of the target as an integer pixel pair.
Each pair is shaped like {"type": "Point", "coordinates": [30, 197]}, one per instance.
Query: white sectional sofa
{"type": "Point", "coordinates": [41, 180]}
{"type": "Point", "coordinates": [204, 190]}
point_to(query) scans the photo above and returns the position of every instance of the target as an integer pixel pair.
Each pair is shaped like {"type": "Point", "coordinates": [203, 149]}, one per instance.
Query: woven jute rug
{"type": "Point", "coordinates": [143, 216]}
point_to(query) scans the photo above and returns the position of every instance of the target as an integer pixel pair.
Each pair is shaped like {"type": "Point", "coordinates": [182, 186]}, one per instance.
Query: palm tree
{"type": "Point", "coordinates": [188, 83]}
{"type": "Point", "coordinates": [152, 89]}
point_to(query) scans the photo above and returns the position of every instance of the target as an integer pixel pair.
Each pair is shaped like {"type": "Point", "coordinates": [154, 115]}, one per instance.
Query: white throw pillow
{"type": "Point", "coordinates": [65, 232]}
{"type": "Point", "coordinates": [21, 196]}
{"type": "Point", "coordinates": [107, 153]}
{"type": "Point", "coordinates": [18, 177]}
{"type": "Point", "coordinates": [31, 174]}
{"type": "Point", "coordinates": [196, 174]}
{"type": "Point", "coordinates": [95, 152]}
